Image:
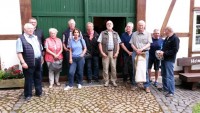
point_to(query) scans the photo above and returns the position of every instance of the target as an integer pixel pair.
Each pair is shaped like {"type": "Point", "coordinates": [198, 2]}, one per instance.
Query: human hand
{"type": "Point", "coordinates": [24, 65]}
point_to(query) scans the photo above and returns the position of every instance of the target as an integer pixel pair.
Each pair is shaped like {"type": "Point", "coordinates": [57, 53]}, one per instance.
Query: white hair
{"type": "Point", "coordinates": [90, 23]}
{"type": "Point", "coordinates": [156, 31]}
{"type": "Point", "coordinates": [28, 25]}
{"type": "Point", "coordinates": [109, 21]}
{"type": "Point", "coordinates": [54, 30]}
{"type": "Point", "coordinates": [72, 21]}
{"type": "Point", "coordinates": [141, 22]}
{"type": "Point", "coordinates": [130, 24]}
{"type": "Point", "coordinates": [170, 29]}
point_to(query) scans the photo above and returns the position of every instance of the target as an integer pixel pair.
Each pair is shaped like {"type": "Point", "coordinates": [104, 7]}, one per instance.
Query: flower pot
{"type": "Point", "coordinates": [12, 83]}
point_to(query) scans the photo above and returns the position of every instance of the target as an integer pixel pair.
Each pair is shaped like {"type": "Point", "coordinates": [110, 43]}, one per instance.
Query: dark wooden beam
{"type": "Point", "coordinates": [196, 8]}
{"type": "Point", "coordinates": [191, 27]}
{"type": "Point", "coordinates": [141, 10]}
{"type": "Point", "coordinates": [182, 35]}
{"type": "Point", "coordinates": [164, 25]}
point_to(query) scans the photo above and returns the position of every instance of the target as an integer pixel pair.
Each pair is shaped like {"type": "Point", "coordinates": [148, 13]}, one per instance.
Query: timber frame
{"type": "Point", "coordinates": [26, 13]}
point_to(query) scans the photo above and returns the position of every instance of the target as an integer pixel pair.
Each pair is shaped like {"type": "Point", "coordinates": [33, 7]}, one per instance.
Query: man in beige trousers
{"type": "Point", "coordinates": [109, 48]}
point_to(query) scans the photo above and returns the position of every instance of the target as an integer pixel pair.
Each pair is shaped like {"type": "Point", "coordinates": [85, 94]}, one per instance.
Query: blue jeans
{"type": "Point", "coordinates": [33, 74]}
{"type": "Point", "coordinates": [127, 67]}
{"type": "Point", "coordinates": [77, 65]}
{"type": "Point", "coordinates": [167, 73]}
{"type": "Point", "coordinates": [93, 67]}
{"type": "Point", "coordinates": [146, 84]}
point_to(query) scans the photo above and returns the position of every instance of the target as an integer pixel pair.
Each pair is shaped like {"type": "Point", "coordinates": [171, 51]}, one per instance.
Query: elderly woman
{"type": "Point", "coordinates": [53, 53]}
{"type": "Point", "coordinates": [77, 49]}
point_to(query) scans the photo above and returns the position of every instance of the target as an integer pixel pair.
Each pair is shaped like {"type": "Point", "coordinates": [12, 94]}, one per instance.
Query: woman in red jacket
{"type": "Point", "coordinates": [54, 48]}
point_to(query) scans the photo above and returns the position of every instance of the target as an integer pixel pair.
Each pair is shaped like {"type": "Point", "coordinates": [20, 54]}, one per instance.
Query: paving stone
{"type": "Point", "coordinates": [98, 99]}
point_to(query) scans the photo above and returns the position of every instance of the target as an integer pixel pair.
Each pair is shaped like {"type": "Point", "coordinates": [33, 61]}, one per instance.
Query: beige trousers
{"type": "Point", "coordinates": [112, 62]}
{"type": "Point", "coordinates": [53, 75]}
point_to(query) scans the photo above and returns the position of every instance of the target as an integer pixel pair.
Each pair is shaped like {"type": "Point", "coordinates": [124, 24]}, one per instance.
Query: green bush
{"type": "Point", "coordinates": [196, 108]}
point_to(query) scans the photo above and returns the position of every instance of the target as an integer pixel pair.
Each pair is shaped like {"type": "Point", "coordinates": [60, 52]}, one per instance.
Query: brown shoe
{"type": "Point", "coordinates": [133, 88]}
{"type": "Point", "coordinates": [147, 90]}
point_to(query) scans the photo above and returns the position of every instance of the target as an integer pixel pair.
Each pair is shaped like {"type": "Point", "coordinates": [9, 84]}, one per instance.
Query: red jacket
{"type": "Point", "coordinates": [54, 45]}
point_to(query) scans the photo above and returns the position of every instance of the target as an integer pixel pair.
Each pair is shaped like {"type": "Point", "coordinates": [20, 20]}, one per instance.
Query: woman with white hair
{"type": "Point", "coordinates": [54, 48]}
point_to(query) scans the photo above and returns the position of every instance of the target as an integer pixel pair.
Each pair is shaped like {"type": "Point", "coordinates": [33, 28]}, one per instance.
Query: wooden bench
{"type": "Point", "coordinates": [188, 77]}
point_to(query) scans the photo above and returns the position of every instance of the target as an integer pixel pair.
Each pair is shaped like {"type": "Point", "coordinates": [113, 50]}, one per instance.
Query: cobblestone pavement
{"type": "Point", "coordinates": [98, 99]}
{"type": "Point", "coordinates": [182, 102]}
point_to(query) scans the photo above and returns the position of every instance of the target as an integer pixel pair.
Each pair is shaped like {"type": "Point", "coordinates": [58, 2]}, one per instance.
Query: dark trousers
{"type": "Point", "coordinates": [127, 67]}
{"type": "Point", "coordinates": [93, 67]}
{"type": "Point", "coordinates": [33, 74]}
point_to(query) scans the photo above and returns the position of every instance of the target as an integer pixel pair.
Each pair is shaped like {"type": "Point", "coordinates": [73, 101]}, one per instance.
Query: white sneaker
{"type": "Point", "coordinates": [68, 88]}
{"type": "Point", "coordinates": [79, 86]}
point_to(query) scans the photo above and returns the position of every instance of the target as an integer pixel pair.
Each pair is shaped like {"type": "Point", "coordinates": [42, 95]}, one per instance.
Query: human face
{"type": "Point", "coordinates": [53, 34]}
{"type": "Point", "coordinates": [109, 25]}
{"type": "Point", "coordinates": [140, 27]}
{"type": "Point", "coordinates": [76, 33]}
{"type": "Point", "coordinates": [156, 35]}
{"type": "Point", "coordinates": [166, 31]}
{"type": "Point", "coordinates": [71, 26]}
{"type": "Point", "coordinates": [90, 27]}
{"type": "Point", "coordinates": [33, 22]}
{"type": "Point", "coordinates": [29, 30]}
{"type": "Point", "coordinates": [129, 28]}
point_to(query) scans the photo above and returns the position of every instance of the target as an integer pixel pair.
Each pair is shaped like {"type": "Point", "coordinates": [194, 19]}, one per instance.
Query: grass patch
{"type": "Point", "coordinates": [196, 108]}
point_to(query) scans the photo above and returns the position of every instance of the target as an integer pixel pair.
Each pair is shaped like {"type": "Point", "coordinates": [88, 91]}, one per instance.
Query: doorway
{"type": "Point", "coordinates": [119, 24]}
{"type": "Point", "coordinates": [119, 27]}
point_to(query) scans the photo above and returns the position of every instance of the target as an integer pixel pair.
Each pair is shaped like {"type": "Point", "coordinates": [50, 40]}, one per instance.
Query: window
{"type": "Point", "coordinates": [196, 32]}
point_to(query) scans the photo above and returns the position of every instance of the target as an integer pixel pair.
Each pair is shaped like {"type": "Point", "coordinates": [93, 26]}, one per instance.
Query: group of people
{"type": "Point", "coordinates": [136, 47]}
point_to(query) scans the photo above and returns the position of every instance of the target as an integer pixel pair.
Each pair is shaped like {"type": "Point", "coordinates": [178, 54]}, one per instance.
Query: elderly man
{"type": "Point", "coordinates": [127, 52]}
{"type": "Point", "coordinates": [156, 45]}
{"type": "Point", "coordinates": [92, 63]}
{"type": "Point", "coordinates": [29, 52]}
{"type": "Point", "coordinates": [169, 51]}
{"type": "Point", "coordinates": [38, 32]}
{"type": "Point", "coordinates": [140, 42]}
{"type": "Point", "coordinates": [109, 48]}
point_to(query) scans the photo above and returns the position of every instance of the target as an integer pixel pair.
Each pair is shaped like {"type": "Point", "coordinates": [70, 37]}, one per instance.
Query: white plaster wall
{"type": "Point", "coordinates": [183, 51]}
{"type": "Point", "coordinates": [8, 53]}
{"type": "Point", "coordinates": [156, 11]}
{"type": "Point", "coordinates": [10, 21]}
{"type": "Point", "coordinates": [197, 3]}
{"type": "Point", "coordinates": [179, 19]}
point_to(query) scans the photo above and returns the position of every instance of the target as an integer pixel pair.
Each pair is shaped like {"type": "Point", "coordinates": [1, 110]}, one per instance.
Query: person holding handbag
{"type": "Point", "coordinates": [77, 50]}
{"type": "Point", "coordinates": [92, 62]}
{"type": "Point", "coordinates": [53, 54]}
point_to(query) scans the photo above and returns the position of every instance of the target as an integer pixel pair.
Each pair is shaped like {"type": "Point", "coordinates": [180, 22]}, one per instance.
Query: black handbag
{"type": "Point", "coordinates": [87, 54]}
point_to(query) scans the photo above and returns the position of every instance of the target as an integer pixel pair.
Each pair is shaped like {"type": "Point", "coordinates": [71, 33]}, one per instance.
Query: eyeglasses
{"type": "Point", "coordinates": [32, 22]}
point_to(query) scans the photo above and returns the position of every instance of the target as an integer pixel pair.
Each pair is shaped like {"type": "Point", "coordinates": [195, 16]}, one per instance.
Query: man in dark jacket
{"type": "Point", "coordinates": [92, 63]}
{"type": "Point", "coordinates": [169, 51]}
{"type": "Point", "coordinates": [38, 32]}
{"type": "Point", "coordinates": [40, 35]}
{"type": "Point", "coordinates": [29, 52]}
